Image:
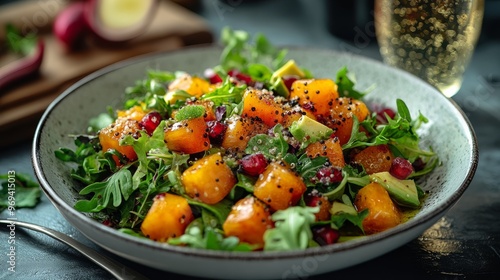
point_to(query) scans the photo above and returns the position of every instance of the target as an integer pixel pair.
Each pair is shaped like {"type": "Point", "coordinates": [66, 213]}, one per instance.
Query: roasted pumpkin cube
{"type": "Point", "coordinates": [134, 113]}
{"type": "Point", "coordinates": [316, 95]}
{"type": "Point", "coordinates": [239, 131]}
{"type": "Point", "coordinates": [188, 136]}
{"type": "Point", "coordinates": [262, 106]}
{"type": "Point", "coordinates": [248, 220]}
{"type": "Point", "coordinates": [110, 137]}
{"type": "Point", "coordinates": [168, 217]}
{"type": "Point", "coordinates": [279, 187]}
{"type": "Point", "coordinates": [383, 212]}
{"type": "Point", "coordinates": [374, 159]}
{"type": "Point", "coordinates": [329, 148]}
{"type": "Point", "coordinates": [341, 115]}
{"type": "Point", "coordinates": [209, 179]}
{"type": "Point", "coordinates": [193, 85]}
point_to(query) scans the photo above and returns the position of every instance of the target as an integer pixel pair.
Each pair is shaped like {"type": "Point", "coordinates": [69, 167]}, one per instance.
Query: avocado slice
{"type": "Point", "coordinates": [339, 207]}
{"type": "Point", "coordinates": [404, 192]}
{"type": "Point", "coordinates": [308, 130]}
{"type": "Point", "coordinates": [288, 69]}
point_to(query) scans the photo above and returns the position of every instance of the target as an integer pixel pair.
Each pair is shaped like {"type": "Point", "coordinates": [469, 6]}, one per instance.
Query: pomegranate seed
{"type": "Point", "coordinates": [401, 168]}
{"type": "Point", "coordinates": [216, 130]}
{"type": "Point", "coordinates": [150, 121]}
{"type": "Point", "coordinates": [328, 174]}
{"type": "Point", "coordinates": [240, 76]}
{"type": "Point", "coordinates": [254, 164]}
{"type": "Point", "coordinates": [325, 235]}
{"type": "Point", "coordinates": [107, 223]}
{"type": "Point", "coordinates": [213, 77]}
{"type": "Point", "coordinates": [313, 198]}
{"type": "Point", "coordinates": [381, 118]}
{"type": "Point", "coordinates": [288, 80]}
{"type": "Point", "coordinates": [418, 164]}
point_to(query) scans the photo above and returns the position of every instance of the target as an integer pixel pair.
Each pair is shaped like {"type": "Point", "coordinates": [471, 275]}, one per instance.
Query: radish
{"type": "Point", "coordinates": [109, 20]}
{"type": "Point", "coordinates": [70, 27]}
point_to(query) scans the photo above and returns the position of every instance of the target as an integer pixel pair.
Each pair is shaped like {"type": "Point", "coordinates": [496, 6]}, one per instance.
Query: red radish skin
{"type": "Point", "coordinates": [113, 35]}
{"type": "Point", "coordinates": [22, 68]}
{"type": "Point", "coordinates": [70, 27]}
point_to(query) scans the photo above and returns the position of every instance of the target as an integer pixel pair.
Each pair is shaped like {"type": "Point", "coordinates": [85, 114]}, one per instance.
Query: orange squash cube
{"type": "Point", "coordinates": [261, 105]}
{"type": "Point", "coordinates": [279, 187]}
{"type": "Point", "coordinates": [134, 113]}
{"type": "Point", "coordinates": [341, 117]}
{"type": "Point", "coordinates": [193, 85]}
{"type": "Point", "coordinates": [374, 158]}
{"type": "Point", "coordinates": [383, 212]}
{"type": "Point", "coordinates": [316, 94]}
{"type": "Point", "coordinates": [209, 179]}
{"type": "Point", "coordinates": [110, 137]}
{"type": "Point", "coordinates": [239, 131]}
{"type": "Point", "coordinates": [188, 136]}
{"type": "Point", "coordinates": [248, 220]}
{"type": "Point", "coordinates": [293, 114]}
{"type": "Point", "coordinates": [329, 148]}
{"type": "Point", "coordinates": [168, 217]}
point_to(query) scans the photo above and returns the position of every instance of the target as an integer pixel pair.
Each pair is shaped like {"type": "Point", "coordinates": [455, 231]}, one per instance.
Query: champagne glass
{"type": "Point", "coordinates": [432, 39]}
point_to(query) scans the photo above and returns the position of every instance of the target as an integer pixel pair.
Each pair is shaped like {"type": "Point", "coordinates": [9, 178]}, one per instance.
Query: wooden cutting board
{"type": "Point", "coordinates": [21, 106]}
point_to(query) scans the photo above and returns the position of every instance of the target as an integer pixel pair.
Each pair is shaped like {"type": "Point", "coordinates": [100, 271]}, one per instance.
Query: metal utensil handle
{"type": "Point", "coordinates": [116, 269]}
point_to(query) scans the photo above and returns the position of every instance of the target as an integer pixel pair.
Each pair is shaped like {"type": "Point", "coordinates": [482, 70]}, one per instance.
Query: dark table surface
{"type": "Point", "coordinates": [464, 244]}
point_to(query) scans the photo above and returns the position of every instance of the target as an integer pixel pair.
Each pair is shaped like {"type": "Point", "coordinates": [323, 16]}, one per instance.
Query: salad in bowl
{"type": "Point", "coordinates": [255, 154]}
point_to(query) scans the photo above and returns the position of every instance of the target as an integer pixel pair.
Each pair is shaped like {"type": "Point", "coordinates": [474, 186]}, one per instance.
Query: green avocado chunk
{"type": "Point", "coordinates": [404, 192]}
{"type": "Point", "coordinates": [288, 69]}
{"type": "Point", "coordinates": [308, 130]}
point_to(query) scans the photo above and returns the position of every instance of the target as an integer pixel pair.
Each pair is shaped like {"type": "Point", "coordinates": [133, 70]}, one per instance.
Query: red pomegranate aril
{"type": "Point", "coordinates": [150, 121]}
{"type": "Point", "coordinates": [288, 80]}
{"type": "Point", "coordinates": [401, 168]}
{"type": "Point", "coordinates": [381, 114]}
{"type": "Point", "coordinates": [213, 77]}
{"type": "Point", "coordinates": [216, 130]}
{"type": "Point", "coordinates": [253, 164]}
{"type": "Point", "coordinates": [329, 174]}
{"type": "Point", "coordinates": [313, 198]}
{"type": "Point", "coordinates": [418, 164]}
{"type": "Point", "coordinates": [325, 235]}
{"type": "Point", "coordinates": [240, 76]}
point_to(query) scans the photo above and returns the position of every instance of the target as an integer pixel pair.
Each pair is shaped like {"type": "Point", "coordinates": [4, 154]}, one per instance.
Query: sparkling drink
{"type": "Point", "coordinates": [433, 40]}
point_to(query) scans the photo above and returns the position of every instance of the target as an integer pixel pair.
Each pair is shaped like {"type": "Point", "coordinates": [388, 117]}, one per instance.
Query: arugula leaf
{"type": "Point", "coordinates": [239, 52]}
{"type": "Point", "coordinates": [111, 192]}
{"type": "Point", "coordinates": [226, 93]}
{"type": "Point", "coordinates": [346, 84]}
{"type": "Point", "coordinates": [199, 235]}
{"type": "Point", "coordinates": [292, 229]}
{"type": "Point", "coordinates": [220, 210]}
{"type": "Point", "coordinates": [23, 189]}
{"type": "Point", "coordinates": [308, 167]}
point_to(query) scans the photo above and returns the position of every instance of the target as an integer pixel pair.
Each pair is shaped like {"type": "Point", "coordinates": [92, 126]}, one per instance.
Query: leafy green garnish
{"type": "Point", "coordinates": [292, 229]}
{"type": "Point", "coordinates": [272, 147]}
{"type": "Point", "coordinates": [189, 112]}
{"type": "Point", "coordinates": [226, 93]}
{"type": "Point", "coordinates": [201, 236]}
{"type": "Point", "coordinates": [240, 53]}
{"type": "Point", "coordinates": [346, 83]}
{"type": "Point", "coordinates": [19, 44]}
{"type": "Point", "coordinates": [18, 190]}
{"type": "Point", "coordinates": [347, 212]}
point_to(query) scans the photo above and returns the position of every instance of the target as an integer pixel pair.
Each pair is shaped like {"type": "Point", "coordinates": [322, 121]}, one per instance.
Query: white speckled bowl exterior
{"type": "Point", "coordinates": [449, 133]}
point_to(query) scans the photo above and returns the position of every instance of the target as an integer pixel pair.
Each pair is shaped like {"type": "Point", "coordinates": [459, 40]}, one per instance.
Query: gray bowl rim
{"type": "Point", "coordinates": [61, 206]}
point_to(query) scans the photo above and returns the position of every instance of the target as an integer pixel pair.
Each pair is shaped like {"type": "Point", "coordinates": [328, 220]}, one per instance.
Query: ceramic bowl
{"type": "Point", "coordinates": [449, 132]}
